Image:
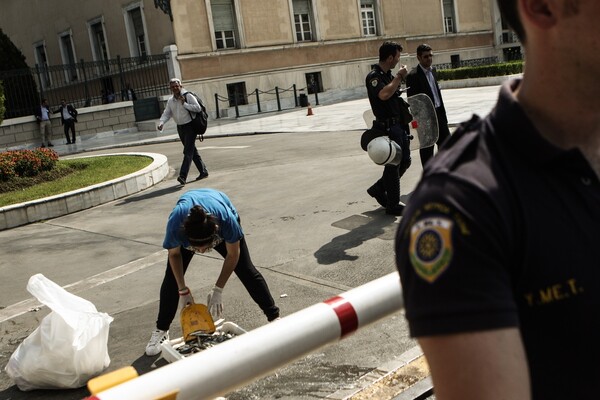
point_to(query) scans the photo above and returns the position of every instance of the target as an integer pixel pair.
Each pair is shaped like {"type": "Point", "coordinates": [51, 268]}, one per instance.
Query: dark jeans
{"type": "Point", "coordinates": [389, 183]}
{"type": "Point", "coordinates": [444, 133]}
{"type": "Point", "coordinates": [252, 280]}
{"type": "Point", "coordinates": [69, 125]}
{"type": "Point", "coordinates": [187, 135]}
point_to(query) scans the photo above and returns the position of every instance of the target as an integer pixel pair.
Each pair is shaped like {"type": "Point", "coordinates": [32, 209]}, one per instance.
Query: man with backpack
{"type": "Point", "coordinates": [190, 118]}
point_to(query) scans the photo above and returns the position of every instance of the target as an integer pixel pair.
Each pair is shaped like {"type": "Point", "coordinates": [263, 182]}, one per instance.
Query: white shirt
{"type": "Point", "coordinates": [45, 116]}
{"type": "Point", "coordinates": [437, 102]}
{"type": "Point", "coordinates": [65, 114]}
{"type": "Point", "coordinates": [180, 112]}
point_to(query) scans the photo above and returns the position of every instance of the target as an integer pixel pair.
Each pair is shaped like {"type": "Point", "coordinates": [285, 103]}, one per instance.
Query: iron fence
{"type": "Point", "coordinates": [85, 83]}
{"type": "Point", "coordinates": [233, 100]}
{"type": "Point", "coordinates": [475, 62]}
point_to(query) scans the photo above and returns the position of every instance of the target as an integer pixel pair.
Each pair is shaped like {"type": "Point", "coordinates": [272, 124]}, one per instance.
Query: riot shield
{"type": "Point", "coordinates": [424, 126]}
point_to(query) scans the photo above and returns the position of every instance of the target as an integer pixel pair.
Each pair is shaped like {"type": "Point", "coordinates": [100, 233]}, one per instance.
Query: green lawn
{"type": "Point", "coordinates": [70, 175]}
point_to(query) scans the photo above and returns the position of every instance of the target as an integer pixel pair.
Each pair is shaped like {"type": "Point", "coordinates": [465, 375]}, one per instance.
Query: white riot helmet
{"type": "Point", "coordinates": [384, 151]}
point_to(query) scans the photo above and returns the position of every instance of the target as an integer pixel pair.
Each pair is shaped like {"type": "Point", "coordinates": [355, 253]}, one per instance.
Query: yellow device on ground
{"type": "Point", "coordinates": [195, 318]}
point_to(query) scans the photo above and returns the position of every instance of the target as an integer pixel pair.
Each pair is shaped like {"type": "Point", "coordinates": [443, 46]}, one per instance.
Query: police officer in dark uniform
{"type": "Point", "coordinates": [391, 115]}
{"type": "Point", "coordinates": [500, 278]}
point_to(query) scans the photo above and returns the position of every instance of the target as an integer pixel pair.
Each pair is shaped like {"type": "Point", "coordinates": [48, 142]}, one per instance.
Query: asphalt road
{"type": "Point", "coordinates": [311, 228]}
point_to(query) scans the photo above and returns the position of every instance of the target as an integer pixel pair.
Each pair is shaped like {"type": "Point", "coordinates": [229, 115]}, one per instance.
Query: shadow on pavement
{"type": "Point", "coordinates": [146, 364]}
{"type": "Point", "coordinates": [13, 393]}
{"type": "Point", "coordinates": [150, 194]}
{"type": "Point", "coordinates": [361, 228]}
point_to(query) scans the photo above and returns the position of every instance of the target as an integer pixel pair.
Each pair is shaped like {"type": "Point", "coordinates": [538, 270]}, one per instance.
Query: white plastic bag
{"type": "Point", "coordinates": [68, 348]}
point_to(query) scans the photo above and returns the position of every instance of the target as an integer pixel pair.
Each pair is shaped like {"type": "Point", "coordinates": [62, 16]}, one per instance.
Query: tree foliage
{"type": "Point", "coordinates": [20, 90]}
{"type": "Point", "coordinates": [2, 109]}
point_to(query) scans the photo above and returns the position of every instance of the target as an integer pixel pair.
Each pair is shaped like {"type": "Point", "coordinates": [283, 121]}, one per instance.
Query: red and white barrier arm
{"type": "Point", "coordinates": [239, 361]}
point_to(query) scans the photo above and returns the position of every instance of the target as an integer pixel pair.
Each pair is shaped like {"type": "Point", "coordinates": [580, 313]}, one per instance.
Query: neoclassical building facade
{"type": "Point", "coordinates": [236, 46]}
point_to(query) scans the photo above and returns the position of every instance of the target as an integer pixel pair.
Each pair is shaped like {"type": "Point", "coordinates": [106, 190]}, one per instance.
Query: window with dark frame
{"type": "Point", "coordinates": [137, 23]}
{"type": "Point", "coordinates": [69, 57]}
{"type": "Point", "coordinates": [99, 40]}
{"type": "Point", "coordinates": [42, 60]}
{"type": "Point", "coordinates": [237, 92]}
{"type": "Point", "coordinates": [314, 83]}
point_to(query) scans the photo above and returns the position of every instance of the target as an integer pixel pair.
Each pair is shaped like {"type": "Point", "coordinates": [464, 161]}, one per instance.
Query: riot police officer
{"type": "Point", "coordinates": [392, 115]}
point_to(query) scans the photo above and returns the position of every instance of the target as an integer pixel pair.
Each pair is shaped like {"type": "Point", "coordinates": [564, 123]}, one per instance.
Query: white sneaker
{"type": "Point", "coordinates": [153, 346]}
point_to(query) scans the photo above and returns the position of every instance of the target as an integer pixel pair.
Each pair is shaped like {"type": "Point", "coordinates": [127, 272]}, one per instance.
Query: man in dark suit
{"type": "Point", "coordinates": [68, 117]}
{"type": "Point", "coordinates": [422, 79]}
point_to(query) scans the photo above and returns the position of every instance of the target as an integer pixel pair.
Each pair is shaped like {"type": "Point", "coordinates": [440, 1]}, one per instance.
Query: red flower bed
{"type": "Point", "coordinates": [23, 163]}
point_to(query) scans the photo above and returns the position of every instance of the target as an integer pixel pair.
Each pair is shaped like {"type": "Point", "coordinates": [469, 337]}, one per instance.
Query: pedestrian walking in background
{"type": "Point", "coordinates": [179, 107]}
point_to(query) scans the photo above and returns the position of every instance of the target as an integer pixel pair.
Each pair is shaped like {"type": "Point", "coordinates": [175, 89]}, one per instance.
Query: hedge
{"type": "Point", "coordinates": [507, 68]}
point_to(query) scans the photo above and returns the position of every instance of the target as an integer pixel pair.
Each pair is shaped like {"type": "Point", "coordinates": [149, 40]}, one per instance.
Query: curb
{"type": "Point", "coordinates": [66, 203]}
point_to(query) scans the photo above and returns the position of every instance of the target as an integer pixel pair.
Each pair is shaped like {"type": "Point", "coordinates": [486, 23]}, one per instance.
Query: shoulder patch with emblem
{"type": "Point", "coordinates": [430, 250]}
{"type": "Point", "coordinates": [375, 82]}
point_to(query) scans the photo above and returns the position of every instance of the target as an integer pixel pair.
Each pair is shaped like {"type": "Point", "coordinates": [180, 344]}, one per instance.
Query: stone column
{"type": "Point", "coordinates": [172, 63]}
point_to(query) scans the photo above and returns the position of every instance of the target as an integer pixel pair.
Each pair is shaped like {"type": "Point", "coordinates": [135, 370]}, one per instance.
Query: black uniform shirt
{"type": "Point", "coordinates": [503, 231]}
{"type": "Point", "coordinates": [383, 109]}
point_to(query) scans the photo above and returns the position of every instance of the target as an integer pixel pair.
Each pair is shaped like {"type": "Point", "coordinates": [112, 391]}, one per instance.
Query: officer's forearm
{"type": "Point", "coordinates": [390, 89]}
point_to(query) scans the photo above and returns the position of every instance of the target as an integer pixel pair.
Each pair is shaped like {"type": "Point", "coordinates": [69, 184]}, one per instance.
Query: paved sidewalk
{"type": "Point", "coordinates": [460, 105]}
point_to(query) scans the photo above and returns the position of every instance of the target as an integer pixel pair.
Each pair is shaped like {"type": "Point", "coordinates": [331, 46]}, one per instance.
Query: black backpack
{"type": "Point", "coordinates": [199, 120]}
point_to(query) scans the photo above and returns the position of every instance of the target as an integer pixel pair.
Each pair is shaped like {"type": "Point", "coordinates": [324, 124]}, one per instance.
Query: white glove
{"type": "Point", "coordinates": [185, 297]}
{"type": "Point", "coordinates": [214, 302]}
